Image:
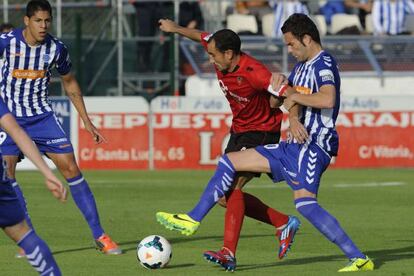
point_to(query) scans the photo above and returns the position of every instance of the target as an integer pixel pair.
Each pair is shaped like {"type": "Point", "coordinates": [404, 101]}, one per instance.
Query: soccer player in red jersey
{"type": "Point", "coordinates": [256, 121]}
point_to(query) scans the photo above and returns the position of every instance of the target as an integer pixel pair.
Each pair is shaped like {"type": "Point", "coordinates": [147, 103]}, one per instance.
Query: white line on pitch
{"type": "Point", "coordinates": [369, 184]}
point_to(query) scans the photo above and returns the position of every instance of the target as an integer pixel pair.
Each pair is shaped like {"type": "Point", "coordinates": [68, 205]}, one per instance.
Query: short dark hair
{"type": "Point", "coordinates": [226, 40]}
{"type": "Point", "coordinates": [299, 25]}
{"type": "Point", "coordinates": [38, 5]}
{"type": "Point", "coordinates": [5, 27]}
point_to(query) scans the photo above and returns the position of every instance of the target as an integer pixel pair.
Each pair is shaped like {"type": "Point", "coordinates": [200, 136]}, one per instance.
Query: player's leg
{"type": "Point", "coordinates": [11, 161]}
{"type": "Point", "coordinates": [38, 253]}
{"type": "Point", "coordinates": [11, 154]}
{"type": "Point", "coordinates": [234, 216]}
{"type": "Point", "coordinates": [51, 139]}
{"type": "Point", "coordinates": [219, 184]}
{"type": "Point", "coordinates": [254, 207]}
{"type": "Point", "coordinates": [307, 205]}
{"type": "Point", "coordinates": [84, 199]}
{"type": "Point", "coordinates": [238, 204]}
{"type": "Point", "coordinates": [235, 212]}
{"type": "Point", "coordinates": [258, 210]}
{"type": "Point", "coordinates": [305, 185]}
{"type": "Point", "coordinates": [13, 223]}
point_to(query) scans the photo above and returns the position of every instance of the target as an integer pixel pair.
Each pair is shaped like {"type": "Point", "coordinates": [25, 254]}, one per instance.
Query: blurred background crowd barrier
{"type": "Point", "coordinates": [117, 49]}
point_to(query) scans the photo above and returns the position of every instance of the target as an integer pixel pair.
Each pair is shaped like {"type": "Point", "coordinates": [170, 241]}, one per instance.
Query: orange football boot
{"type": "Point", "coordinates": [107, 246]}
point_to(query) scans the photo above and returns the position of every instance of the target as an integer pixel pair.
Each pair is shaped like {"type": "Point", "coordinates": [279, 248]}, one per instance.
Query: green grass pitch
{"type": "Point", "coordinates": [375, 207]}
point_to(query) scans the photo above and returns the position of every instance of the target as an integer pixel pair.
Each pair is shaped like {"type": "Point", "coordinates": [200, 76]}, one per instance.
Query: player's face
{"type": "Point", "coordinates": [221, 60]}
{"type": "Point", "coordinates": [295, 47]}
{"type": "Point", "coordinates": [37, 26]}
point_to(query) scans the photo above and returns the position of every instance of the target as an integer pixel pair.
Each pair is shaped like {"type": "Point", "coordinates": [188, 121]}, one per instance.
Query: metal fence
{"type": "Point", "coordinates": [104, 46]}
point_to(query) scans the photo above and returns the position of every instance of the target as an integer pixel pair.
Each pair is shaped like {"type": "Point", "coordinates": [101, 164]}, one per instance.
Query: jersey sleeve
{"type": "Point", "coordinates": [63, 62]}
{"type": "Point", "coordinates": [259, 77]}
{"type": "Point", "coordinates": [3, 43]}
{"type": "Point", "coordinates": [204, 38]}
{"type": "Point", "coordinates": [324, 71]}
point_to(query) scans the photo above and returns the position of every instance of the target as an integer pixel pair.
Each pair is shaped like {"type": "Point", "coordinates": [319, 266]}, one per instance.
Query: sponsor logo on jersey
{"type": "Point", "coordinates": [326, 75]}
{"type": "Point", "coordinates": [303, 90]}
{"type": "Point", "coordinates": [28, 74]}
{"type": "Point", "coordinates": [56, 141]}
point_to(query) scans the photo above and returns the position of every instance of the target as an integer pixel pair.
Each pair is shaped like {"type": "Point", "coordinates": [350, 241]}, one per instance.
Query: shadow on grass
{"type": "Point", "coordinates": [73, 250]}
{"type": "Point", "coordinates": [178, 266]}
{"type": "Point", "coordinates": [379, 257]}
{"type": "Point", "coordinates": [176, 240]}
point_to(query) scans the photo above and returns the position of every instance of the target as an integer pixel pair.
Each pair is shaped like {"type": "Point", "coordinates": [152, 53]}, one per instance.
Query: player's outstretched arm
{"type": "Point", "coordinates": [9, 124]}
{"type": "Point", "coordinates": [71, 86]}
{"type": "Point", "coordinates": [169, 26]}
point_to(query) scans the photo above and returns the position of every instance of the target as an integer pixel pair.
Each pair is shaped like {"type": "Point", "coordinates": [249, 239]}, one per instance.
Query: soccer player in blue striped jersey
{"type": "Point", "coordinates": [12, 216]}
{"type": "Point", "coordinates": [389, 16]}
{"type": "Point", "coordinates": [29, 56]}
{"type": "Point", "coordinates": [312, 96]}
{"type": "Point", "coordinates": [282, 11]}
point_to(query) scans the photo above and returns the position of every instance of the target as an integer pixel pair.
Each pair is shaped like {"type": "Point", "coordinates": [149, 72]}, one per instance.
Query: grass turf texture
{"type": "Point", "coordinates": [374, 206]}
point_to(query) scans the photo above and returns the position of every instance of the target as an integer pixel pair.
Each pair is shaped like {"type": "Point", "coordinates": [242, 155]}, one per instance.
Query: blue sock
{"type": "Point", "coordinates": [22, 201]}
{"type": "Point", "coordinates": [327, 225]}
{"type": "Point", "coordinates": [38, 254]}
{"type": "Point", "coordinates": [216, 188]}
{"type": "Point", "coordinates": [85, 201]}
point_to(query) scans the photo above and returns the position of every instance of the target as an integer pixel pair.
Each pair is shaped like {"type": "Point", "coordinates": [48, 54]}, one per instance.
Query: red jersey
{"type": "Point", "coordinates": [246, 90]}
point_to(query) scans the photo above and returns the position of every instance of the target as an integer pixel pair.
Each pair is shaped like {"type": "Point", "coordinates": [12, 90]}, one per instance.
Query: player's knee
{"type": "Point", "coordinates": [306, 209]}
{"type": "Point", "coordinates": [222, 202]}
{"type": "Point", "coordinates": [69, 169]}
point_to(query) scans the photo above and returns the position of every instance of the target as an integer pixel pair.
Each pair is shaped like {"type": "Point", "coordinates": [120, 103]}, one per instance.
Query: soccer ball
{"type": "Point", "coordinates": [154, 252]}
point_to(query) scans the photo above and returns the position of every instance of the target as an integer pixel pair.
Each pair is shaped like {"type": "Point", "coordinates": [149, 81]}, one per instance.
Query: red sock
{"type": "Point", "coordinates": [257, 210]}
{"type": "Point", "coordinates": [233, 220]}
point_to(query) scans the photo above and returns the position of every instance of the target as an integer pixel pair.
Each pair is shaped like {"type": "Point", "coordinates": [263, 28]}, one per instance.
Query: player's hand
{"type": "Point", "coordinates": [277, 80]}
{"type": "Point", "coordinates": [167, 25]}
{"type": "Point", "coordinates": [96, 135]}
{"type": "Point", "coordinates": [297, 131]}
{"type": "Point", "coordinates": [56, 188]}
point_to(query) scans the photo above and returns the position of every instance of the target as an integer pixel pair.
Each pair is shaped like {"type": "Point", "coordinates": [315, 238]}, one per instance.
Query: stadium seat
{"type": "Point", "coordinates": [202, 87]}
{"type": "Point", "coordinates": [341, 21]}
{"type": "Point", "coordinates": [242, 23]}
{"type": "Point", "coordinates": [320, 23]}
{"type": "Point", "coordinates": [268, 24]}
{"type": "Point", "coordinates": [369, 25]}
{"type": "Point", "coordinates": [409, 21]}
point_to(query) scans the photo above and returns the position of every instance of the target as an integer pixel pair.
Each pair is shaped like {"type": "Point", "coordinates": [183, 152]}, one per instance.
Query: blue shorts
{"type": "Point", "coordinates": [11, 212]}
{"type": "Point", "coordinates": [300, 165]}
{"type": "Point", "coordinates": [45, 130]}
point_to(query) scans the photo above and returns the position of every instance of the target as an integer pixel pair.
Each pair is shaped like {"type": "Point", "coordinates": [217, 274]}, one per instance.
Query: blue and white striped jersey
{"type": "Point", "coordinates": [284, 9]}
{"type": "Point", "coordinates": [26, 71]}
{"type": "Point", "coordinates": [389, 16]}
{"type": "Point", "coordinates": [307, 78]}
